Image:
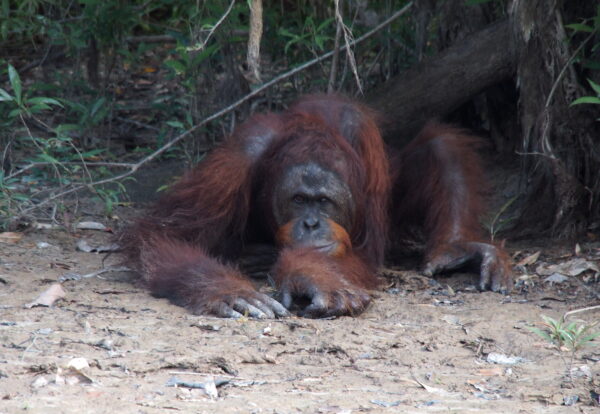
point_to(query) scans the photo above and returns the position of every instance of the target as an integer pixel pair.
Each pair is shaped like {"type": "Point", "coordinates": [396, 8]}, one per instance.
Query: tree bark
{"type": "Point", "coordinates": [254, 37]}
{"type": "Point", "coordinates": [442, 83]}
{"type": "Point", "coordinates": [559, 142]}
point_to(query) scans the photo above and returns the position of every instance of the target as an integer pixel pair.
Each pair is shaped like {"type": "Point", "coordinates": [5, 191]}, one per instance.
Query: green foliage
{"type": "Point", "coordinates": [186, 62]}
{"type": "Point", "coordinates": [86, 115]}
{"type": "Point", "coordinates": [309, 35]}
{"type": "Point", "coordinates": [110, 196]}
{"type": "Point", "coordinates": [109, 21]}
{"type": "Point", "coordinates": [589, 99]}
{"type": "Point", "coordinates": [57, 123]}
{"type": "Point", "coordinates": [10, 196]}
{"type": "Point", "coordinates": [19, 104]}
{"type": "Point", "coordinates": [589, 27]}
{"type": "Point", "coordinates": [499, 222]}
{"type": "Point", "coordinates": [52, 159]}
{"type": "Point", "coordinates": [72, 23]}
{"type": "Point", "coordinates": [569, 336]}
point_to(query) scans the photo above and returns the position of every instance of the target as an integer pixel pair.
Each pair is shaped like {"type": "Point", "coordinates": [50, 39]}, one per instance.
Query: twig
{"type": "Point", "coordinates": [33, 339]}
{"type": "Point", "coordinates": [169, 38]}
{"type": "Point", "coordinates": [56, 171]}
{"type": "Point", "coordinates": [205, 374]}
{"type": "Point", "coordinates": [212, 30]}
{"type": "Point", "coordinates": [77, 276]}
{"type": "Point", "coordinates": [89, 164]}
{"type": "Point", "coordinates": [334, 61]}
{"type": "Point", "coordinates": [218, 114]}
{"type": "Point", "coordinates": [138, 123]}
{"type": "Point", "coordinates": [589, 308]}
{"type": "Point", "coordinates": [349, 42]}
{"type": "Point", "coordinates": [151, 39]}
{"type": "Point", "coordinates": [4, 161]}
{"type": "Point", "coordinates": [40, 62]}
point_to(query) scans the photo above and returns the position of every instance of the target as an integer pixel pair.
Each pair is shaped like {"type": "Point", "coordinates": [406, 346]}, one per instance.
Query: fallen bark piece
{"type": "Point", "coordinates": [91, 225]}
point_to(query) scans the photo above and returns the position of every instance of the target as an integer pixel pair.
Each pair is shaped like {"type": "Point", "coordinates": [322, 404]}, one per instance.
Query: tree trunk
{"type": "Point", "coordinates": [440, 84]}
{"type": "Point", "coordinates": [559, 143]}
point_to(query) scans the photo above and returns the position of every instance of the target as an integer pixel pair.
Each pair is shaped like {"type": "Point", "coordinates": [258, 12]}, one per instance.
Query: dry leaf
{"type": "Point", "coordinates": [10, 237]}
{"type": "Point", "coordinates": [49, 296]}
{"type": "Point", "coordinates": [571, 267]}
{"type": "Point", "coordinates": [531, 259]}
{"type": "Point", "coordinates": [491, 372]}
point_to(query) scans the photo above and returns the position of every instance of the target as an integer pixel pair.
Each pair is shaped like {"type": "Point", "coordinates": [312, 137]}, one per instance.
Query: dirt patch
{"type": "Point", "coordinates": [420, 347]}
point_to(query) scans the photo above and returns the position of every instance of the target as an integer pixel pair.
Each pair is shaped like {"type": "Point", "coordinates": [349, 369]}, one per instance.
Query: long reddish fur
{"type": "Point", "coordinates": [368, 144]}
{"type": "Point", "coordinates": [180, 245]}
{"type": "Point", "coordinates": [329, 273]}
{"type": "Point", "coordinates": [438, 182]}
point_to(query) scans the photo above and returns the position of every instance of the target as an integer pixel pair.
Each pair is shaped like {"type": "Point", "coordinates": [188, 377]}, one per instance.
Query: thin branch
{"type": "Point", "coordinates": [151, 39]}
{"type": "Point", "coordinates": [589, 308]}
{"type": "Point", "coordinates": [204, 42]}
{"type": "Point", "coordinates": [138, 123]}
{"type": "Point", "coordinates": [334, 61]}
{"type": "Point", "coordinates": [88, 164]}
{"type": "Point", "coordinates": [349, 42]}
{"type": "Point", "coordinates": [169, 38]}
{"type": "Point", "coordinates": [35, 143]}
{"type": "Point", "coordinates": [218, 114]}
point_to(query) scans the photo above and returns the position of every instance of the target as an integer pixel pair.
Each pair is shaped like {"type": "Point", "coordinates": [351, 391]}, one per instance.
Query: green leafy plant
{"type": "Point", "coordinates": [310, 34]}
{"type": "Point", "coordinates": [10, 196]}
{"type": "Point", "coordinates": [17, 107]}
{"type": "Point", "coordinates": [589, 99]}
{"type": "Point", "coordinates": [499, 221]}
{"type": "Point", "coordinates": [590, 27]}
{"type": "Point", "coordinates": [185, 62]}
{"type": "Point", "coordinates": [567, 336]}
{"type": "Point", "coordinates": [53, 159]}
{"type": "Point", "coordinates": [110, 196]}
{"type": "Point", "coordinates": [19, 104]}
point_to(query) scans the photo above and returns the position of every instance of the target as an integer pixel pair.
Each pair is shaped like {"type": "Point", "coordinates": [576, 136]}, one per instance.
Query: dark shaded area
{"type": "Point", "coordinates": [513, 80]}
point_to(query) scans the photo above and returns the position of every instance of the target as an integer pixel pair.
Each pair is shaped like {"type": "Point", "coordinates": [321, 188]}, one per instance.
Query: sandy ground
{"type": "Point", "coordinates": [420, 347]}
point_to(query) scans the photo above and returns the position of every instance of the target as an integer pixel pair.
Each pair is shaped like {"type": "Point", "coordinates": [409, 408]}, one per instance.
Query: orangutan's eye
{"type": "Point", "coordinates": [299, 199]}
